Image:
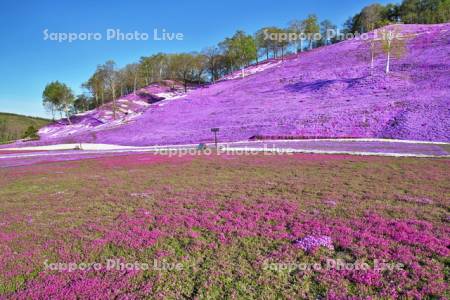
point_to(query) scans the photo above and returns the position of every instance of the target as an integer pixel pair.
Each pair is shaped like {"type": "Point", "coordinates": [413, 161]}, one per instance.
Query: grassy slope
{"type": "Point", "coordinates": [222, 217]}
{"type": "Point", "coordinates": [13, 126]}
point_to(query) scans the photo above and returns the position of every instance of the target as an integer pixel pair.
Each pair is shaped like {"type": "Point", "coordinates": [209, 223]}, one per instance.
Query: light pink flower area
{"type": "Point", "coordinates": [311, 242]}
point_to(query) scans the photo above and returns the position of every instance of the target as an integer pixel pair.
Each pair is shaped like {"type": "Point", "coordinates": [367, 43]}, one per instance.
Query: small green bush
{"type": "Point", "coordinates": [31, 133]}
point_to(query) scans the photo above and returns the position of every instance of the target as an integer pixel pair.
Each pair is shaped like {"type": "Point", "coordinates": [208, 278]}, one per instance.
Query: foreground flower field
{"type": "Point", "coordinates": [239, 227]}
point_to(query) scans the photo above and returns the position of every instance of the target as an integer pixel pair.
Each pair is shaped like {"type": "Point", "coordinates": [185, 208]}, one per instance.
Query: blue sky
{"type": "Point", "coordinates": [28, 62]}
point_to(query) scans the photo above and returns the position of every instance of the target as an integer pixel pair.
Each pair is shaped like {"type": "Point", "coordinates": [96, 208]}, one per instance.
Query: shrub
{"type": "Point", "coordinates": [31, 133]}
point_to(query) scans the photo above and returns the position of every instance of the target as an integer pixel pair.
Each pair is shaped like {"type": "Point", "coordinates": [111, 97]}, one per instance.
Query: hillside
{"type": "Point", "coordinates": [13, 126]}
{"type": "Point", "coordinates": [327, 92]}
{"type": "Point", "coordinates": [129, 109]}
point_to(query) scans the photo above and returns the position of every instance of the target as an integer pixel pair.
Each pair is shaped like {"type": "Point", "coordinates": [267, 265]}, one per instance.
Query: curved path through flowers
{"type": "Point", "coordinates": [375, 147]}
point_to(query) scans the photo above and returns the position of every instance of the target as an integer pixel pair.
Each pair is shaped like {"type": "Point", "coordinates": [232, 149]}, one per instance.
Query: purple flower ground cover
{"type": "Point", "coordinates": [327, 92]}
{"type": "Point", "coordinates": [311, 242]}
{"type": "Point", "coordinates": [226, 227]}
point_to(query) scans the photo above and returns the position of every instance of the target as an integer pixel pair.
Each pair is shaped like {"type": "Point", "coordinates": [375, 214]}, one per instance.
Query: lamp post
{"type": "Point", "coordinates": [215, 131]}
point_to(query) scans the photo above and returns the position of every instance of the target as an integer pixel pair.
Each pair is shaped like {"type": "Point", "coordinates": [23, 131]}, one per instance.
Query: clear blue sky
{"type": "Point", "coordinates": [28, 62]}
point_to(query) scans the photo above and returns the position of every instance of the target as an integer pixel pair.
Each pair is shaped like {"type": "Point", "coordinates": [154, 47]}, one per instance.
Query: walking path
{"type": "Point", "coordinates": [378, 147]}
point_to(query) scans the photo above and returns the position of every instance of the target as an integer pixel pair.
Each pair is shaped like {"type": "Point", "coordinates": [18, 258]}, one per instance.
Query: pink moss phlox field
{"type": "Point", "coordinates": [327, 92]}
{"type": "Point", "coordinates": [88, 284]}
{"type": "Point", "coordinates": [132, 231]}
{"type": "Point", "coordinates": [224, 219]}
{"type": "Point", "coordinates": [415, 244]}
